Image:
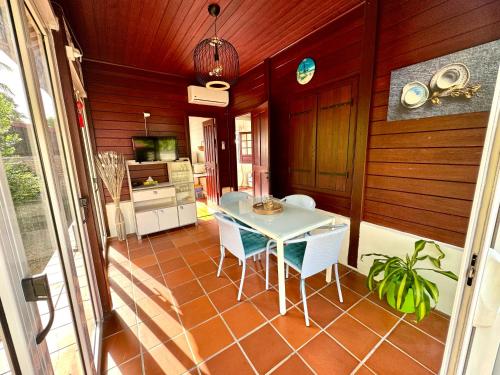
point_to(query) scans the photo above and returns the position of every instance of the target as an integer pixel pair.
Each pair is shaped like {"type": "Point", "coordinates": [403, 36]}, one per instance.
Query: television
{"type": "Point", "coordinates": [144, 148]}
{"type": "Point", "coordinates": [154, 148]}
{"type": "Point", "coordinates": [166, 148]}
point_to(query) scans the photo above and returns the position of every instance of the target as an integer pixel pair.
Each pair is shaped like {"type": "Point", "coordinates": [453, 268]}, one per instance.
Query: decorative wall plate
{"type": "Point", "coordinates": [414, 94]}
{"type": "Point", "coordinates": [305, 70]}
{"type": "Point", "coordinates": [452, 75]}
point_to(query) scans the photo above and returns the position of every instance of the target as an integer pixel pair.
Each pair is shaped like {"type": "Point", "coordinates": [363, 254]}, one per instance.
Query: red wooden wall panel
{"type": "Point", "coordinates": [117, 98]}
{"type": "Point", "coordinates": [421, 174]}
{"type": "Point", "coordinates": [417, 171]}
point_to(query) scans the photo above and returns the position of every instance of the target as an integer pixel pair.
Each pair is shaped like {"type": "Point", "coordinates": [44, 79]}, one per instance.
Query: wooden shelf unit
{"type": "Point", "coordinates": [165, 205]}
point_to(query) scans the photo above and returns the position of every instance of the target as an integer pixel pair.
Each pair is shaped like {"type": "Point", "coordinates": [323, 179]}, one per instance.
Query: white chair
{"type": "Point", "coordinates": [301, 200]}
{"type": "Point", "coordinates": [312, 254]}
{"type": "Point", "coordinates": [233, 196]}
{"type": "Point", "coordinates": [242, 242]}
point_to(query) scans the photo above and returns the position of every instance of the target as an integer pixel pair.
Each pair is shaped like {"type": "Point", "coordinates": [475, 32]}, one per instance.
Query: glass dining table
{"type": "Point", "coordinates": [293, 221]}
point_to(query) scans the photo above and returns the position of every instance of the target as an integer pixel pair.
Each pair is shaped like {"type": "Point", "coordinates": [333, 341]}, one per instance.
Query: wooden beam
{"type": "Point", "coordinates": [363, 121]}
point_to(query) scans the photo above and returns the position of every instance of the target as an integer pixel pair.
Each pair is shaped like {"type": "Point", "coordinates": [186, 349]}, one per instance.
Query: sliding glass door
{"type": "Point", "coordinates": [50, 298]}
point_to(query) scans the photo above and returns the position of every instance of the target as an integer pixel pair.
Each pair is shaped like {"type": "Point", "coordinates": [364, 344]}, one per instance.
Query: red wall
{"type": "Point", "coordinates": [117, 98]}
{"type": "Point", "coordinates": [420, 174]}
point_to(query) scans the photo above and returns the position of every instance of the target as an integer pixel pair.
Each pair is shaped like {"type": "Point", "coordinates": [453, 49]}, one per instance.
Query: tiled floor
{"type": "Point", "coordinates": [173, 315]}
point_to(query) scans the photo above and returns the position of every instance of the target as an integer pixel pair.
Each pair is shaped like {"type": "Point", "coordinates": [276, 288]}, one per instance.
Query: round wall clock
{"type": "Point", "coordinates": [305, 70]}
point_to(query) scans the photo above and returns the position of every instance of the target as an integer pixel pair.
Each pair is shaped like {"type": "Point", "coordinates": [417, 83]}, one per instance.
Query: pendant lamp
{"type": "Point", "coordinates": [216, 62]}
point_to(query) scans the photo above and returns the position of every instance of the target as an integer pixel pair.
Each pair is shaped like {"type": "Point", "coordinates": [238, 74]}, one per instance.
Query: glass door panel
{"type": "Point", "coordinates": [22, 171]}
{"type": "Point", "coordinates": [59, 166]}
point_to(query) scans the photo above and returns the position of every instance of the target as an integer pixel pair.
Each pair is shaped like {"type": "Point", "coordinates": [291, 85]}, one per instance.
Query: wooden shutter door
{"type": "Point", "coordinates": [302, 139]}
{"type": "Point", "coordinates": [335, 137]}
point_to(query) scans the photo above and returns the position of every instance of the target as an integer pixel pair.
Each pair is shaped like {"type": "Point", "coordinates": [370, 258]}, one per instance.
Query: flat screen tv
{"type": "Point", "coordinates": [154, 148]}
{"type": "Point", "coordinates": [144, 148]}
{"type": "Point", "coordinates": [166, 148]}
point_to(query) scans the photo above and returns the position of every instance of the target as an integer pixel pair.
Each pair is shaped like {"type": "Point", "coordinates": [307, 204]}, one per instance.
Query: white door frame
{"type": "Point", "coordinates": [478, 240]}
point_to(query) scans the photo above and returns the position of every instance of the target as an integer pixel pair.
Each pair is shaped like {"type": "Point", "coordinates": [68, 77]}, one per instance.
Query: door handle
{"type": "Point", "coordinates": [37, 288]}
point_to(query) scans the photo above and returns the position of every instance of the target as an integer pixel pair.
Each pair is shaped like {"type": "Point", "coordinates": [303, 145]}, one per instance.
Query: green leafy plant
{"type": "Point", "coordinates": [398, 280]}
{"type": "Point", "coordinates": [23, 182]}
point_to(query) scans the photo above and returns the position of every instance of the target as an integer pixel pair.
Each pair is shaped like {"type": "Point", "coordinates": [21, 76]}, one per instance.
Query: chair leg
{"type": "Point", "coordinates": [242, 278]}
{"type": "Point", "coordinates": [287, 271]}
{"type": "Point", "coordinates": [267, 270]}
{"type": "Point", "coordinates": [304, 300]}
{"type": "Point", "coordinates": [338, 283]}
{"type": "Point", "coordinates": [254, 259]}
{"type": "Point", "coordinates": [222, 251]}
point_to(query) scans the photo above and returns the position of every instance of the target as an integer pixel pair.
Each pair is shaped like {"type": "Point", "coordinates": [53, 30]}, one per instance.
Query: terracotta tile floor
{"type": "Point", "coordinates": [173, 315]}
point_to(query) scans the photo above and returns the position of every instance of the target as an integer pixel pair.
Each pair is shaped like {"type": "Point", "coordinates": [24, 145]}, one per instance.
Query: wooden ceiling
{"type": "Point", "coordinates": [160, 35]}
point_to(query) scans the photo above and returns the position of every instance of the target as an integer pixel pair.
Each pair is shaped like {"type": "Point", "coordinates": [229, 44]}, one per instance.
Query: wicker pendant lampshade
{"type": "Point", "coordinates": [216, 61]}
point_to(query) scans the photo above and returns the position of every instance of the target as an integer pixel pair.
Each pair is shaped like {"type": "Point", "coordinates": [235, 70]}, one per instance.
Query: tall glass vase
{"type": "Point", "coordinates": [119, 222]}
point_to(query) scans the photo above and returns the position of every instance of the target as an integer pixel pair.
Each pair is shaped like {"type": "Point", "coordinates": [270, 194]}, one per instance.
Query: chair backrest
{"type": "Point", "coordinates": [233, 196]}
{"type": "Point", "coordinates": [230, 236]}
{"type": "Point", "coordinates": [322, 250]}
{"type": "Point", "coordinates": [301, 200]}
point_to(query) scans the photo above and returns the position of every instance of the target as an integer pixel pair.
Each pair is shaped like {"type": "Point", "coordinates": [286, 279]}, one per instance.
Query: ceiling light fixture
{"type": "Point", "coordinates": [216, 61]}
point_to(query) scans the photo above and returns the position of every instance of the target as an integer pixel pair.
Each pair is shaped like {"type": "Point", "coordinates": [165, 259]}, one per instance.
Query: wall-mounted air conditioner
{"type": "Point", "coordinates": [202, 95]}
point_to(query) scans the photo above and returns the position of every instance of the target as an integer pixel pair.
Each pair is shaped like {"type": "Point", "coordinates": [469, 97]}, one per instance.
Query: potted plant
{"type": "Point", "coordinates": [401, 284]}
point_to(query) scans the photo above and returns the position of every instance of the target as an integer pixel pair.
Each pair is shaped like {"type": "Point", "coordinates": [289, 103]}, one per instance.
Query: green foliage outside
{"type": "Point", "coordinates": [23, 182]}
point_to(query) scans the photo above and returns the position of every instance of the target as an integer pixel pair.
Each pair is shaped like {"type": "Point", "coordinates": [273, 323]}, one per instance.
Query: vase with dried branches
{"type": "Point", "coordinates": [111, 168]}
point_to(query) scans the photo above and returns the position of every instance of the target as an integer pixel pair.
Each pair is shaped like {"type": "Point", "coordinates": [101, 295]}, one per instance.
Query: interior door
{"type": "Point", "coordinates": [210, 138]}
{"type": "Point", "coordinates": [260, 161]}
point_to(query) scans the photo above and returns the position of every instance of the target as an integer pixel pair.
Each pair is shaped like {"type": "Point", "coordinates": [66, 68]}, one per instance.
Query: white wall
{"type": "Point", "coordinates": [196, 138]}
{"type": "Point", "coordinates": [378, 239]}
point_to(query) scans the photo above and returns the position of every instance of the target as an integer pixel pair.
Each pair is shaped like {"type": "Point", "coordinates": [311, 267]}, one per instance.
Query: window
{"type": "Point", "coordinates": [245, 147]}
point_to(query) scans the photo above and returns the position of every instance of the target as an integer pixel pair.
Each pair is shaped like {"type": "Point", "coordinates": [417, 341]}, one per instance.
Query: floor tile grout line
{"type": "Point", "coordinates": [314, 336]}
{"type": "Point", "coordinates": [269, 321]}
{"type": "Point", "coordinates": [296, 351]}
{"type": "Point", "coordinates": [141, 351]}
{"type": "Point", "coordinates": [176, 312]}
{"type": "Point", "coordinates": [135, 308]}
{"type": "Point", "coordinates": [410, 356]}
{"type": "Point", "coordinates": [219, 314]}
{"type": "Point", "coordinates": [266, 320]}
{"type": "Point", "coordinates": [378, 344]}
{"type": "Point", "coordinates": [426, 333]}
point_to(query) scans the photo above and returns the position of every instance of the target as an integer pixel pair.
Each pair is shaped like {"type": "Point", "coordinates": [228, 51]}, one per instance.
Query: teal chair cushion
{"type": "Point", "coordinates": [253, 242]}
{"type": "Point", "coordinates": [294, 253]}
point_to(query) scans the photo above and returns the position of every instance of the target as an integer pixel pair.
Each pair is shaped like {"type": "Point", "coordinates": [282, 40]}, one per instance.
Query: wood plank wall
{"type": "Point", "coordinates": [117, 98]}
{"type": "Point", "coordinates": [421, 174]}
{"type": "Point", "coordinates": [336, 50]}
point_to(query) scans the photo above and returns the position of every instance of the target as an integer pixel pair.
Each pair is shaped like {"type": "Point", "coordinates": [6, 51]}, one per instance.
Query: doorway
{"type": "Point", "coordinates": [203, 162]}
{"type": "Point", "coordinates": [244, 152]}
{"type": "Point", "coordinates": [252, 151]}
